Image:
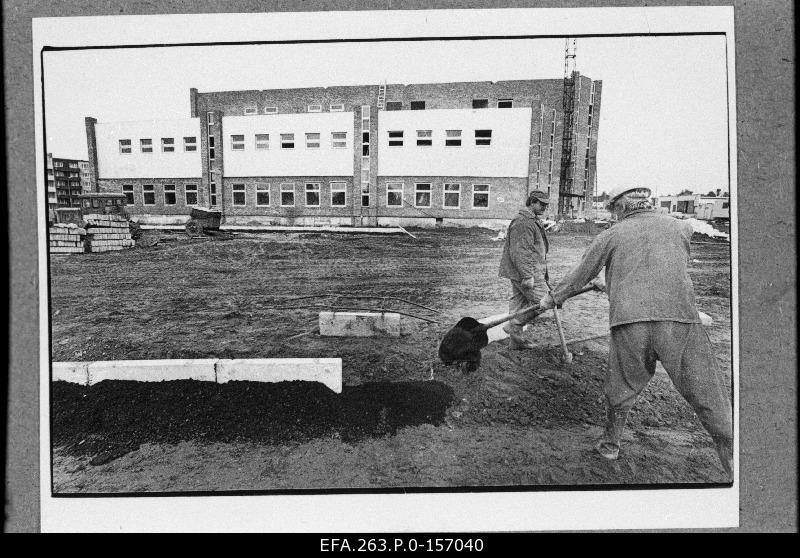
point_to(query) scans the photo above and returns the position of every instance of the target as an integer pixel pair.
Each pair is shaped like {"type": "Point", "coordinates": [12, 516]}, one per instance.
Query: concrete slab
{"type": "Point", "coordinates": [152, 370]}
{"type": "Point", "coordinates": [312, 229]}
{"type": "Point", "coordinates": [359, 324]}
{"type": "Point", "coordinates": [73, 372]}
{"type": "Point", "coordinates": [327, 371]}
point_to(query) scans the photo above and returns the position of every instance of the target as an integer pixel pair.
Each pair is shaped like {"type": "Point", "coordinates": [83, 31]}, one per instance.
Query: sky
{"type": "Point", "coordinates": [663, 119]}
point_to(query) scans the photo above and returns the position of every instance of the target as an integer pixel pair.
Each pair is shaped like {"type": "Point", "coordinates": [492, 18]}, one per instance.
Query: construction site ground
{"type": "Point", "coordinates": [403, 419]}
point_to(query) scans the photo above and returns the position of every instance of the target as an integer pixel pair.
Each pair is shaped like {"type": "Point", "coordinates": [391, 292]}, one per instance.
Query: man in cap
{"type": "Point", "coordinates": [524, 263]}
{"type": "Point", "coordinates": [652, 317]}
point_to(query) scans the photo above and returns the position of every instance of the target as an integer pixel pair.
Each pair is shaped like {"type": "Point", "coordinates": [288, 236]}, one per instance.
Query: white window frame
{"type": "Point", "coordinates": [237, 145]}
{"type": "Point", "coordinates": [212, 194]}
{"type": "Point", "coordinates": [262, 187]}
{"type": "Point", "coordinates": [122, 150]}
{"type": "Point", "coordinates": [315, 187]}
{"type": "Point", "coordinates": [173, 190]}
{"type": "Point", "coordinates": [339, 188]}
{"type": "Point", "coordinates": [210, 118]}
{"type": "Point", "coordinates": [314, 108]}
{"type": "Point", "coordinates": [313, 143]}
{"type": "Point", "coordinates": [287, 187]}
{"type": "Point", "coordinates": [477, 139]}
{"type": "Point", "coordinates": [510, 101]}
{"type": "Point", "coordinates": [418, 191]}
{"type": "Point", "coordinates": [424, 135]}
{"type": "Point", "coordinates": [235, 190]}
{"type": "Point", "coordinates": [488, 193]}
{"type": "Point", "coordinates": [249, 111]}
{"type": "Point", "coordinates": [262, 143]}
{"type": "Point", "coordinates": [453, 135]}
{"type": "Point", "coordinates": [457, 192]}
{"type": "Point", "coordinates": [168, 146]}
{"type": "Point", "coordinates": [336, 107]}
{"type": "Point", "coordinates": [338, 143]}
{"type": "Point", "coordinates": [271, 110]}
{"type": "Point", "coordinates": [390, 189]}
{"type": "Point", "coordinates": [286, 139]}
{"type": "Point", "coordinates": [195, 190]}
{"type": "Point", "coordinates": [143, 145]}
{"type": "Point", "coordinates": [145, 191]}
{"type": "Point", "coordinates": [400, 138]}
{"type": "Point", "coordinates": [126, 192]}
{"type": "Point", "coordinates": [189, 145]}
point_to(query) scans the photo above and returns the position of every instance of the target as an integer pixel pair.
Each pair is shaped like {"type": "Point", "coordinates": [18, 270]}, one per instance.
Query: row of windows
{"type": "Point", "coordinates": [476, 104]}
{"type": "Point", "coordinates": [453, 138]}
{"type": "Point", "coordinates": [272, 109]}
{"type": "Point", "coordinates": [168, 191]}
{"type": "Point", "coordinates": [167, 145]}
{"type": "Point", "coordinates": [313, 140]}
{"type": "Point", "coordinates": [451, 195]}
{"type": "Point", "coordinates": [286, 194]}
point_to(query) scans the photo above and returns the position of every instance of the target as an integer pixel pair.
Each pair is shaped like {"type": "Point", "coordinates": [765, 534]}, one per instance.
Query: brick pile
{"type": "Point", "coordinates": [66, 239]}
{"type": "Point", "coordinates": [107, 232]}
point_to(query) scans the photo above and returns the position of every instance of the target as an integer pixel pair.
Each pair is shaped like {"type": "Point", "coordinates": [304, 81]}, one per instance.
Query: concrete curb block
{"type": "Point", "coordinates": [325, 370]}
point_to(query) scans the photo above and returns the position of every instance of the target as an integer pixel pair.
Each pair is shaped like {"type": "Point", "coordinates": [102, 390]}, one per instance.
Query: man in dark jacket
{"type": "Point", "coordinates": [524, 263]}
{"type": "Point", "coordinates": [652, 317]}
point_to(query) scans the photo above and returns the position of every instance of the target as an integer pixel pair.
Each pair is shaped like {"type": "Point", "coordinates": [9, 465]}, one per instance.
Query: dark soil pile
{"type": "Point", "coordinates": [112, 418]}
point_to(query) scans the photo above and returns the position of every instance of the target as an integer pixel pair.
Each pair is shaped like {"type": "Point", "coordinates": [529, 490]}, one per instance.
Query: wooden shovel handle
{"type": "Point", "coordinates": [505, 317]}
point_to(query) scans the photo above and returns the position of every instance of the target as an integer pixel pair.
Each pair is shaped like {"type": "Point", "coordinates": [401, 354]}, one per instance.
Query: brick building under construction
{"type": "Point", "coordinates": [372, 155]}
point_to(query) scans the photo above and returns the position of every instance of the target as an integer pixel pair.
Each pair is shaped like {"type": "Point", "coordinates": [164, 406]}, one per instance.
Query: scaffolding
{"type": "Point", "coordinates": [567, 189]}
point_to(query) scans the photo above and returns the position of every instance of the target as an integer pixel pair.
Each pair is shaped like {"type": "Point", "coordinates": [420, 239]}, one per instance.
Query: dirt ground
{"type": "Point", "coordinates": [523, 418]}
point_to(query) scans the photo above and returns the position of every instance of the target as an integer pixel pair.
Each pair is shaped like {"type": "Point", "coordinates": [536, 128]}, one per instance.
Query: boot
{"type": "Point", "coordinates": [725, 453]}
{"type": "Point", "coordinates": [516, 340]}
{"type": "Point", "coordinates": [608, 445]}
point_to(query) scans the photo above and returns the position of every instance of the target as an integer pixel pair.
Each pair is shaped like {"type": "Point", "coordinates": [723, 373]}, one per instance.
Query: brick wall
{"type": "Point", "coordinates": [160, 208]}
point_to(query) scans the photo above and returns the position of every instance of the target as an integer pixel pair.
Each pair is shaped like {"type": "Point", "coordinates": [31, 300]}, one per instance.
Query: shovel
{"type": "Point", "coordinates": [463, 343]}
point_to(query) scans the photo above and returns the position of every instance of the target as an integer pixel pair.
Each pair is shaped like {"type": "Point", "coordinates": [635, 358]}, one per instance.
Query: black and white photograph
{"type": "Point", "coordinates": [442, 259]}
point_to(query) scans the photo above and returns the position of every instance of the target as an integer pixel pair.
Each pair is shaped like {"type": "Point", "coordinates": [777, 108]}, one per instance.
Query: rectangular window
{"type": "Point", "coordinates": [726, 205]}
{"type": "Point", "coordinates": [394, 105]}
{"type": "Point", "coordinates": [210, 118]}
{"type": "Point", "coordinates": [424, 137]}
{"type": "Point", "coordinates": [312, 140]}
{"type": "Point", "coordinates": [665, 204]}
{"type": "Point", "coordinates": [251, 110]}
{"type": "Point", "coordinates": [213, 188]}
{"type": "Point", "coordinates": [483, 137]}
{"type": "Point", "coordinates": [312, 195]}
{"type": "Point", "coordinates": [124, 147]}
{"type": "Point", "coordinates": [338, 107]}
{"type": "Point", "coordinates": [314, 108]}
{"type": "Point", "coordinates": [146, 145]}
{"type": "Point", "coordinates": [480, 196]}
{"type": "Point", "coordinates": [365, 195]}
{"type": "Point", "coordinates": [169, 194]}
{"type": "Point", "coordinates": [505, 103]}
{"type": "Point", "coordinates": [210, 148]}
{"type": "Point", "coordinates": [270, 110]}
{"type": "Point", "coordinates": [287, 195]}
{"type": "Point", "coordinates": [262, 141]}
{"type": "Point", "coordinates": [422, 195]}
{"type": "Point", "coordinates": [396, 138]}
{"type": "Point", "coordinates": [127, 189]}
{"type": "Point", "coordinates": [237, 142]}
{"type": "Point", "coordinates": [191, 194]}
{"type": "Point", "coordinates": [338, 194]}
{"type": "Point", "coordinates": [453, 138]}
{"type": "Point", "coordinates": [452, 195]}
{"type": "Point", "coordinates": [262, 194]}
{"type": "Point", "coordinates": [168, 145]}
{"type": "Point", "coordinates": [394, 194]}
{"type": "Point", "coordinates": [287, 141]}
{"type": "Point", "coordinates": [190, 143]}
{"type": "Point", "coordinates": [417, 105]}
{"type": "Point", "coordinates": [239, 195]}
{"type": "Point", "coordinates": [480, 103]}
{"type": "Point", "coordinates": [339, 140]}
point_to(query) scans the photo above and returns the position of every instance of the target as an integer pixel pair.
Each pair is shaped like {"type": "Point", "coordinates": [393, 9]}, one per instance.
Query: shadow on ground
{"type": "Point", "coordinates": [112, 418]}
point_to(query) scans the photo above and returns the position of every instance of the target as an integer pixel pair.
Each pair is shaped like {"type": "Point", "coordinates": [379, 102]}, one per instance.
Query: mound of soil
{"type": "Point", "coordinates": [112, 418]}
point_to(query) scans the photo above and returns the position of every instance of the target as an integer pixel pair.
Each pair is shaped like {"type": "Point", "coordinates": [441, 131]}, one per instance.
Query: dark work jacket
{"type": "Point", "coordinates": [525, 249]}
{"type": "Point", "coordinates": [647, 277]}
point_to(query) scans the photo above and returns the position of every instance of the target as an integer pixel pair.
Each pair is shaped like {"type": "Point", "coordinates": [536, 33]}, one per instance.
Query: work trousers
{"type": "Point", "coordinates": [522, 298]}
{"type": "Point", "coordinates": [686, 354]}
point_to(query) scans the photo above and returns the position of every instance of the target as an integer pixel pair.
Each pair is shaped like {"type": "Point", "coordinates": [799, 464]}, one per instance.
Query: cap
{"type": "Point", "coordinates": [618, 191]}
{"type": "Point", "coordinates": [539, 196]}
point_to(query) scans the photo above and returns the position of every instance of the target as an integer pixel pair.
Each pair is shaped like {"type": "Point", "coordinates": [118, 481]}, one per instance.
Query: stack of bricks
{"type": "Point", "coordinates": [107, 232]}
{"type": "Point", "coordinates": [66, 239]}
